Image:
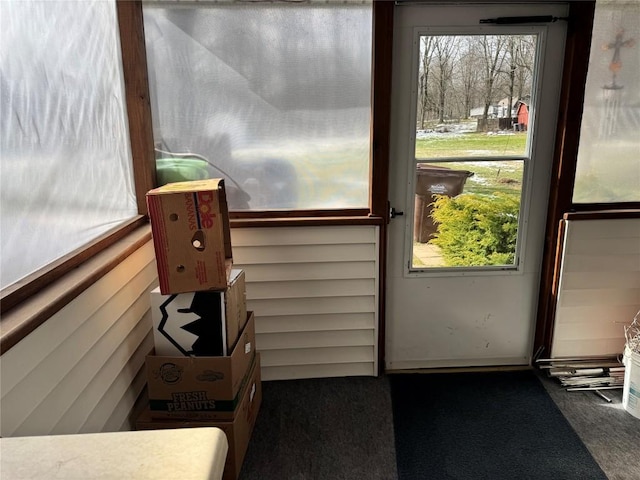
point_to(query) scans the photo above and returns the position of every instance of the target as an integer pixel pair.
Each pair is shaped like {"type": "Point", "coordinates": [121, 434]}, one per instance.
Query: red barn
{"type": "Point", "coordinates": [522, 115]}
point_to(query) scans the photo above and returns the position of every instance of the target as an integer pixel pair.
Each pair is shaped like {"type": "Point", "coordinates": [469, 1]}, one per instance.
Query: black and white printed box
{"type": "Point", "coordinates": [204, 323]}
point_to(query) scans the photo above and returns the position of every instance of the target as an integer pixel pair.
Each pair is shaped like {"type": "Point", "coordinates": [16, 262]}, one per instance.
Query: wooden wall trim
{"type": "Point", "coordinates": [576, 63]}
{"type": "Point", "coordinates": [604, 208]}
{"type": "Point", "coordinates": [381, 107]}
{"type": "Point", "coordinates": [43, 304]}
{"type": "Point", "coordinates": [280, 214]}
{"type": "Point", "coordinates": [23, 289]}
{"type": "Point", "coordinates": [602, 215]}
{"type": "Point", "coordinates": [304, 222]}
{"type": "Point", "coordinates": [380, 146]}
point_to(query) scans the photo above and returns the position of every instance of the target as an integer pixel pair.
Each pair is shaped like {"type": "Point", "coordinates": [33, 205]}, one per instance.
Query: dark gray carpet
{"type": "Point", "coordinates": [493, 426]}
{"type": "Point", "coordinates": [293, 435]}
{"type": "Point", "coordinates": [330, 428]}
{"type": "Point", "coordinates": [611, 434]}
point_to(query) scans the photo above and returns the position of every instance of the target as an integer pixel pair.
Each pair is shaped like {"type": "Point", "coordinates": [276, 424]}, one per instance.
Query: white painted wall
{"type": "Point", "coordinates": [599, 288]}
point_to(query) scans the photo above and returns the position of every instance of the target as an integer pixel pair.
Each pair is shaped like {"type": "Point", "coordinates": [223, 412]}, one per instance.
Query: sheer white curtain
{"type": "Point", "coordinates": [609, 154]}
{"type": "Point", "coordinates": [65, 162]}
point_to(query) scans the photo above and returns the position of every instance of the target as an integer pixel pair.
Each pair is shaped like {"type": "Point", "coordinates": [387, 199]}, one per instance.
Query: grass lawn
{"type": "Point", "coordinates": [471, 145]}
{"type": "Point", "coordinates": [491, 177]}
{"type": "Point", "coordinates": [488, 177]}
{"type": "Point", "coordinates": [502, 175]}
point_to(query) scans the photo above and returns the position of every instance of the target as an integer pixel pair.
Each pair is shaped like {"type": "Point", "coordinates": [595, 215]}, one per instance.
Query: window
{"type": "Point", "coordinates": [65, 159]}
{"type": "Point", "coordinates": [608, 165]}
{"type": "Point", "coordinates": [275, 97]}
{"type": "Point", "coordinates": [472, 148]}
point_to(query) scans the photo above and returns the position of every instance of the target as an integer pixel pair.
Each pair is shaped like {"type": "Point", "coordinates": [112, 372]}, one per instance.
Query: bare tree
{"type": "Point", "coordinates": [426, 52]}
{"type": "Point", "coordinates": [525, 55]}
{"type": "Point", "coordinates": [512, 74]}
{"type": "Point", "coordinates": [446, 47]}
{"type": "Point", "coordinates": [457, 73]}
{"type": "Point", "coordinates": [467, 76]}
{"type": "Point", "coordinates": [493, 55]}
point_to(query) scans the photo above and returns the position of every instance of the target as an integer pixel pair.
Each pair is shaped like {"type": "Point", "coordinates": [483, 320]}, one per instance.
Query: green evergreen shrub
{"type": "Point", "coordinates": [476, 229]}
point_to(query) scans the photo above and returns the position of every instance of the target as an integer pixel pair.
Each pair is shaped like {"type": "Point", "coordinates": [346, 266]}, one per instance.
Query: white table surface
{"type": "Point", "coordinates": [182, 453]}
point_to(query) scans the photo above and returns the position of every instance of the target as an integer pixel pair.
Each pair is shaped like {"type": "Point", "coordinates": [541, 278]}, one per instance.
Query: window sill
{"type": "Point", "coordinates": [602, 215]}
{"type": "Point", "coordinates": [24, 318]}
{"type": "Point", "coordinates": [304, 221]}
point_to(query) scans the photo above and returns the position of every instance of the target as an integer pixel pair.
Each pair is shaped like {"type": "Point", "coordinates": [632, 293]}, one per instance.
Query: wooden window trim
{"type": "Point", "coordinates": [576, 63]}
{"type": "Point", "coordinates": [382, 58]}
{"type": "Point", "coordinates": [382, 53]}
{"type": "Point", "coordinates": [25, 288]}
{"type": "Point", "coordinates": [41, 305]}
{"type": "Point", "coordinates": [290, 214]}
{"type": "Point", "coordinates": [306, 221]}
{"type": "Point", "coordinates": [136, 83]}
{"type": "Point", "coordinates": [612, 214]}
{"type": "Point", "coordinates": [561, 205]}
{"type": "Point", "coordinates": [604, 207]}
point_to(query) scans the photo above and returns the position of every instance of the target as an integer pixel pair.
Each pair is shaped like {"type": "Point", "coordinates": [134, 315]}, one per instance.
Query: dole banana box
{"type": "Point", "coordinates": [191, 236]}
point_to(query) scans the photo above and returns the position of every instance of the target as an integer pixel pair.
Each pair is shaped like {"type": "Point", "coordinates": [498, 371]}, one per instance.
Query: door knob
{"type": "Point", "coordinates": [393, 213]}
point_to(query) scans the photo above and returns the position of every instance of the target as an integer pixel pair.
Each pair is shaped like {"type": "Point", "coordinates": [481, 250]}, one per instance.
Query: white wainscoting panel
{"type": "Point", "coordinates": [314, 293]}
{"type": "Point", "coordinates": [599, 290]}
{"type": "Point", "coordinates": [83, 369]}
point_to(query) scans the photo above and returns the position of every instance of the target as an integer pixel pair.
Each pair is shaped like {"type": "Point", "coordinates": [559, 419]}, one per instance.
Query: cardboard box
{"type": "Point", "coordinates": [191, 236]}
{"type": "Point", "coordinates": [238, 431]}
{"type": "Point", "coordinates": [200, 388]}
{"type": "Point", "coordinates": [199, 323]}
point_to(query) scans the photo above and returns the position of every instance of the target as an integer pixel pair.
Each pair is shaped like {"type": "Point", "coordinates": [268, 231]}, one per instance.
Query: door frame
{"type": "Point", "coordinates": [574, 72]}
{"type": "Point", "coordinates": [528, 168]}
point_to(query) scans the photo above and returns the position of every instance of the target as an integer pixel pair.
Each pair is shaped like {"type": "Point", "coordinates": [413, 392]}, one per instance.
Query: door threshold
{"type": "Point", "coordinates": [493, 368]}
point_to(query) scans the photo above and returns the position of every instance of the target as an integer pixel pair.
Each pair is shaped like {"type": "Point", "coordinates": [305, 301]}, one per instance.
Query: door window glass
{"type": "Point", "coordinates": [473, 121]}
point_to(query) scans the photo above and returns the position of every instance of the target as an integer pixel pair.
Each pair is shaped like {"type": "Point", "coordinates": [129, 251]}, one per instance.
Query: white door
{"type": "Point", "coordinates": [474, 107]}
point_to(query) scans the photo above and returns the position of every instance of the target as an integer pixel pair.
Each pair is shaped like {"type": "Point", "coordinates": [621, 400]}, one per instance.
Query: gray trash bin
{"type": "Point", "coordinates": [431, 181]}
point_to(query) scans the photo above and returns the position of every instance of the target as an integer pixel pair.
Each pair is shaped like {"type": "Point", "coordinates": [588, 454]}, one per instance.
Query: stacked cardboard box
{"type": "Point", "coordinates": [204, 323]}
{"type": "Point", "coordinates": [191, 236]}
{"type": "Point", "coordinates": [205, 371]}
{"type": "Point", "coordinates": [238, 430]}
